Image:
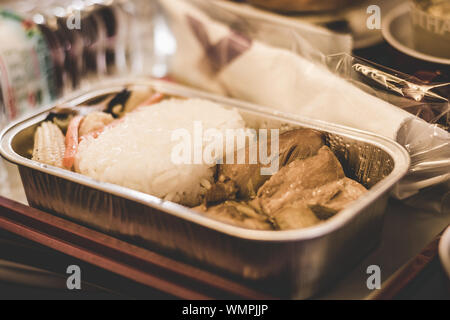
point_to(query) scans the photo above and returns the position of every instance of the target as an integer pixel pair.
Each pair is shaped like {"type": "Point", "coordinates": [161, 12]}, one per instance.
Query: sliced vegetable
{"type": "Point", "coordinates": [49, 144]}
{"type": "Point", "coordinates": [72, 142]}
{"type": "Point", "coordinates": [116, 105]}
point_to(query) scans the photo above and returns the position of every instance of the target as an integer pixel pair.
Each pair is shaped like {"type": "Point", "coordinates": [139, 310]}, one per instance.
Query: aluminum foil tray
{"type": "Point", "coordinates": [294, 262]}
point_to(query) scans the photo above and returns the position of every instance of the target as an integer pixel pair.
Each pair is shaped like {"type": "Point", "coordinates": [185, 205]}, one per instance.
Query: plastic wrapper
{"type": "Point", "coordinates": [427, 141]}
{"type": "Point", "coordinates": [216, 48]}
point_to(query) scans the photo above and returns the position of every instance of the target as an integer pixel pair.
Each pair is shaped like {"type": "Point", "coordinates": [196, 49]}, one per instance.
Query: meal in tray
{"type": "Point", "coordinates": [146, 141]}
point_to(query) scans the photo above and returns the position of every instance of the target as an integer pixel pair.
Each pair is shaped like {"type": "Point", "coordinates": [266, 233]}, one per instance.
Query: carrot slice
{"type": "Point", "coordinates": [71, 142]}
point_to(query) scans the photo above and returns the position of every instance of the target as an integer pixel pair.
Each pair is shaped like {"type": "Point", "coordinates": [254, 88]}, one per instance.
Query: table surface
{"type": "Point", "coordinates": [407, 230]}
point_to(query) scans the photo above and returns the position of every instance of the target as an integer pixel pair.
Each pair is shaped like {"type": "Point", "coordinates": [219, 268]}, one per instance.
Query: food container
{"type": "Point", "coordinates": [293, 263]}
{"type": "Point", "coordinates": [301, 5]}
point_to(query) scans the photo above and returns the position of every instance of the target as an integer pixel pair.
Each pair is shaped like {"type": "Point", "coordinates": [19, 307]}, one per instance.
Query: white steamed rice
{"type": "Point", "coordinates": [136, 153]}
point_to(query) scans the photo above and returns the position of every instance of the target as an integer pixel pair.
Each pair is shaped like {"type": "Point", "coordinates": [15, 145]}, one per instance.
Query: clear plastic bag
{"type": "Point", "coordinates": [286, 68]}
{"type": "Point", "coordinates": [428, 143]}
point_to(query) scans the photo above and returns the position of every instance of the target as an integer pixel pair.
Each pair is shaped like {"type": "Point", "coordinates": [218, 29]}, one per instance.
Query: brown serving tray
{"type": "Point", "coordinates": [132, 262]}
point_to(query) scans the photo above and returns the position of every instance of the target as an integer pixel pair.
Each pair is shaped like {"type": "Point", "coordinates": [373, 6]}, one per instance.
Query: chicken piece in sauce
{"type": "Point", "coordinates": [295, 181]}
{"type": "Point", "coordinates": [295, 217]}
{"type": "Point", "coordinates": [293, 144]}
{"type": "Point", "coordinates": [329, 199]}
{"type": "Point", "coordinates": [237, 213]}
{"type": "Point", "coordinates": [309, 188]}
